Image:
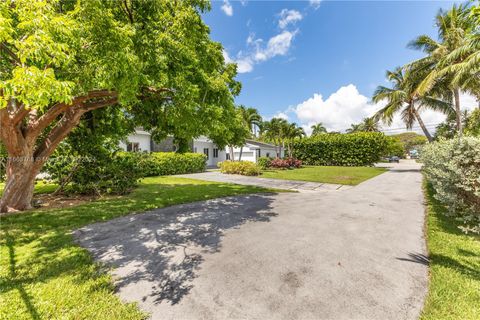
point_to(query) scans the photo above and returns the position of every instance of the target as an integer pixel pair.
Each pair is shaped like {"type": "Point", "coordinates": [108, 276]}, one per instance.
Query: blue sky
{"type": "Point", "coordinates": [315, 61]}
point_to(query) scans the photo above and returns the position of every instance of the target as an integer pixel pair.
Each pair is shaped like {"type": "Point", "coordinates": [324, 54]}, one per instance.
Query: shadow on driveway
{"type": "Point", "coordinates": [163, 248]}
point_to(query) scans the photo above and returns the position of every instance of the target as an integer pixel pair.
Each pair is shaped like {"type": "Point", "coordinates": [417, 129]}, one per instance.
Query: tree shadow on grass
{"type": "Point", "coordinates": [15, 284]}
{"type": "Point", "coordinates": [162, 250]}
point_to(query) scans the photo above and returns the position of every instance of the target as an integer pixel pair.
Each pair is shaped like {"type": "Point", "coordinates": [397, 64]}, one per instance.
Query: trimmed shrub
{"type": "Point", "coordinates": [278, 163]}
{"type": "Point", "coordinates": [117, 173]}
{"type": "Point", "coordinates": [286, 163]}
{"type": "Point", "coordinates": [102, 174]}
{"type": "Point", "coordinates": [264, 162]}
{"type": "Point", "coordinates": [294, 163]}
{"type": "Point", "coordinates": [168, 163]}
{"type": "Point", "coordinates": [245, 168]}
{"type": "Point", "coordinates": [453, 169]}
{"type": "Point", "coordinates": [356, 149]}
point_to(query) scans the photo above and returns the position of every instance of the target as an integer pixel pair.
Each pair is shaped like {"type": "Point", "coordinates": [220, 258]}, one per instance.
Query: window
{"type": "Point", "coordinates": [228, 156]}
{"type": "Point", "coordinates": [133, 146]}
{"type": "Point", "coordinates": [268, 154]}
{"type": "Point", "coordinates": [259, 154]}
{"type": "Point", "coordinates": [215, 153]}
{"type": "Point", "coordinates": [205, 152]}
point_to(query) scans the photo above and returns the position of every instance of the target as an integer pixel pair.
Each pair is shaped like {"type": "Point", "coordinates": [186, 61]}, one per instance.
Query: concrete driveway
{"type": "Point", "coordinates": [352, 254]}
{"type": "Point", "coordinates": [301, 186]}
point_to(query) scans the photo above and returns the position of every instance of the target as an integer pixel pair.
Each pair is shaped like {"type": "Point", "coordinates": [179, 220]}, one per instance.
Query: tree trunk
{"type": "Point", "coordinates": [422, 124]}
{"type": "Point", "coordinates": [26, 157]}
{"type": "Point", "coordinates": [458, 112]}
{"type": "Point", "coordinates": [18, 191]}
{"type": "Point", "coordinates": [232, 156]}
{"type": "Point", "coordinates": [240, 155]}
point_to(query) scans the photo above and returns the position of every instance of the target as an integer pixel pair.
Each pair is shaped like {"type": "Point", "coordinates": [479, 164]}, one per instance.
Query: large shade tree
{"type": "Point", "coordinates": [62, 59]}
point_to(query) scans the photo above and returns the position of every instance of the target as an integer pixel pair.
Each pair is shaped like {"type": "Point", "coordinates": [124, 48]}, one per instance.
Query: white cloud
{"type": "Point", "coordinates": [226, 57]}
{"type": "Point", "coordinates": [347, 106]}
{"type": "Point", "coordinates": [258, 50]}
{"type": "Point", "coordinates": [243, 2]}
{"type": "Point", "coordinates": [288, 17]}
{"type": "Point", "coordinates": [244, 65]}
{"type": "Point", "coordinates": [278, 45]}
{"type": "Point", "coordinates": [315, 3]}
{"type": "Point", "coordinates": [338, 111]}
{"type": "Point", "coordinates": [281, 115]}
{"type": "Point", "coordinates": [227, 8]}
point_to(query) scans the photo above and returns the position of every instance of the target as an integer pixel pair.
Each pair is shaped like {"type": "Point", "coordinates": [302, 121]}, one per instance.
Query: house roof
{"type": "Point", "coordinates": [259, 144]}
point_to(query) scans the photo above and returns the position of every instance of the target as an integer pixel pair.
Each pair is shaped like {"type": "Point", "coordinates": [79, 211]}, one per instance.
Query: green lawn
{"type": "Point", "coordinates": [454, 291]}
{"type": "Point", "coordinates": [43, 274]}
{"type": "Point", "coordinates": [40, 187]}
{"type": "Point", "coordinates": [326, 174]}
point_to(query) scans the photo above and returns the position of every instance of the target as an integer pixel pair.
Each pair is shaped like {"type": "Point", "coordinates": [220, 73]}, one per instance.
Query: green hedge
{"type": "Point", "coordinates": [356, 149]}
{"type": "Point", "coordinates": [168, 163]}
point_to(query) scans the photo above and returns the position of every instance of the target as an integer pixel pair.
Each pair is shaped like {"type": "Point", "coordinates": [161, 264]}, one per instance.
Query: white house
{"type": "Point", "coordinates": [252, 150]}
{"type": "Point", "coordinates": [210, 149]}
{"type": "Point", "coordinates": [141, 141]}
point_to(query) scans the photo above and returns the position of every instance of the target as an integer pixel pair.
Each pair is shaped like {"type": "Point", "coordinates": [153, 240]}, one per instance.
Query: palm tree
{"type": "Point", "coordinates": [354, 128]}
{"type": "Point", "coordinates": [251, 118]}
{"type": "Point", "coordinates": [318, 128]}
{"type": "Point", "coordinates": [275, 131]}
{"type": "Point", "coordinates": [464, 62]}
{"type": "Point", "coordinates": [293, 132]}
{"type": "Point", "coordinates": [369, 125]}
{"type": "Point", "coordinates": [403, 98]}
{"type": "Point", "coordinates": [454, 28]}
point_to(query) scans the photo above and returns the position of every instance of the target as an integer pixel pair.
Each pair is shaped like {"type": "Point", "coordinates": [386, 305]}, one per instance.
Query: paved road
{"type": "Point", "coordinates": [352, 254]}
{"type": "Point", "coordinates": [302, 186]}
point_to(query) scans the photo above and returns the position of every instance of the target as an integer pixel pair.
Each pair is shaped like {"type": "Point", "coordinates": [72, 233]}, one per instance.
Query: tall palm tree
{"type": "Point", "coordinates": [403, 98]}
{"type": "Point", "coordinates": [318, 128]}
{"type": "Point", "coordinates": [454, 28]}
{"type": "Point", "coordinates": [251, 118]}
{"type": "Point", "coordinates": [464, 62]}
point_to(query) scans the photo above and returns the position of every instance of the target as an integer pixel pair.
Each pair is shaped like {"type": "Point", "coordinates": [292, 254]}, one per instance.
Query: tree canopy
{"type": "Point", "coordinates": [62, 59]}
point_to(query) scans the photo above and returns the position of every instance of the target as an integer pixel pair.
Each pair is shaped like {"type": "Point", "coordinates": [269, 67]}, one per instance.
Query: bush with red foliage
{"type": "Point", "coordinates": [287, 163]}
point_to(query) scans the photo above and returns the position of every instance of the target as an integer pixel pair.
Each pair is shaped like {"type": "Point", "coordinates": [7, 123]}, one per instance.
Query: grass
{"type": "Point", "coordinates": [326, 174]}
{"type": "Point", "coordinates": [40, 187]}
{"type": "Point", "coordinates": [454, 291]}
{"type": "Point", "coordinates": [45, 275]}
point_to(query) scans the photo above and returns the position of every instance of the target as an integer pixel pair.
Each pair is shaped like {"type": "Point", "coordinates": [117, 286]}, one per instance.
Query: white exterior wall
{"type": "Point", "coordinates": [203, 143]}
{"type": "Point", "coordinates": [253, 152]}
{"type": "Point", "coordinates": [269, 152]}
{"type": "Point", "coordinates": [140, 137]}
{"type": "Point", "coordinates": [249, 153]}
